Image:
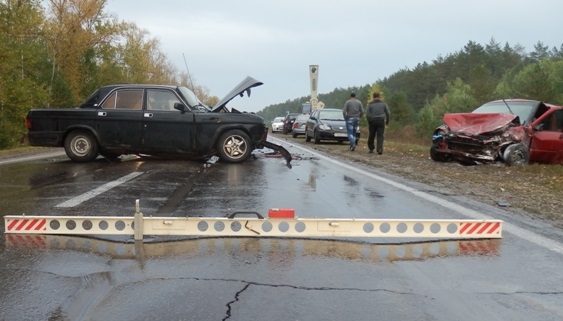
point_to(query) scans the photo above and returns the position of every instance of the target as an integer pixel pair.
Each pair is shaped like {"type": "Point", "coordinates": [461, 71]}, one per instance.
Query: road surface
{"type": "Point", "coordinates": [53, 277]}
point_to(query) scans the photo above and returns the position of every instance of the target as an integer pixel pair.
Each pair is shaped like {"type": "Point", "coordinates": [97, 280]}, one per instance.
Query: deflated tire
{"type": "Point", "coordinates": [516, 154]}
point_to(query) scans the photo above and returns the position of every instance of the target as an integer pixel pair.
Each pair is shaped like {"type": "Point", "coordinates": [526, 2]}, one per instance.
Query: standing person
{"type": "Point", "coordinates": [377, 114]}
{"type": "Point", "coordinates": [353, 110]}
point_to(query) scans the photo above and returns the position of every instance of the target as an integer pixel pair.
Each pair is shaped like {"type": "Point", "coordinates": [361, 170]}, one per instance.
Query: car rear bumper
{"type": "Point", "coordinates": [47, 139]}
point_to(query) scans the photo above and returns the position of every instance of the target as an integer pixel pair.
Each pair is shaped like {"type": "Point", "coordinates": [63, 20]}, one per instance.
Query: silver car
{"type": "Point", "coordinates": [299, 125]}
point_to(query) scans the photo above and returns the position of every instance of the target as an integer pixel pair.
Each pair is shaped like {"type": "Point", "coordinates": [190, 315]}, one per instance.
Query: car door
{"type": "Point", "coordinates": [311, 124]}
{"type": "Point", "coordinates": [165, 129]}
{"type": "Point", "coordinates": [119, 120]}
{"type": "Point", "coordinates": [547, 143]}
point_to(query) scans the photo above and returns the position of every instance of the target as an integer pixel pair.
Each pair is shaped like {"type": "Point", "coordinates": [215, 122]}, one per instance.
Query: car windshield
{"type": "Point", "coordinates": [292, 116]}
{"type": "Point", "coordinates": [522, 109]}
{"type": "Point", "coordinates": [192, 99]}
{"type": "Point", "coordinates": [331, 115]}
{"type": "Point", "coordinates": [278, 120]}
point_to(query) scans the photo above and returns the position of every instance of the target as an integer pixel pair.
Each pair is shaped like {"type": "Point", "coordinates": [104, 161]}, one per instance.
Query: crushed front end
{"type": "Point", "coordinates": [476, 139]}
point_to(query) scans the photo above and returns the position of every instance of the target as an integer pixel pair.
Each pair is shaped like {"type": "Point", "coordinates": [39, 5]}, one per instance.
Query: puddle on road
{"type": "Point", "coordinates": [275, 249]}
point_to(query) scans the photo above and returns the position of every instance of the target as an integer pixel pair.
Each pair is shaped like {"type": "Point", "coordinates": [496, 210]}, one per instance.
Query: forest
{"type": "Point", "coordinates": [459, 82]}
{"type": "Point", "coordinates": [58, 54]}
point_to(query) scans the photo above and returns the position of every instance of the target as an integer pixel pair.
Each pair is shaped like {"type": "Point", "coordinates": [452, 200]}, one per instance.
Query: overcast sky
{"type": "Point", "coordinates": [354, 42]}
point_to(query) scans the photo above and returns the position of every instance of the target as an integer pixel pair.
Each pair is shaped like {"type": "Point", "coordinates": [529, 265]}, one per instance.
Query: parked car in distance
{"type": "Point", "coordinates": [277, 124]}
{"type": "Point", "coordinates": [152, 120]}
{"type": "Point", "coordinates": [513, 131]}
{"type": "Point", "coordinates": [299, 125]}
{"type": "Point", "coordinates": [288, 122]}
{"type": "Point", "coordinates": [327, 124]}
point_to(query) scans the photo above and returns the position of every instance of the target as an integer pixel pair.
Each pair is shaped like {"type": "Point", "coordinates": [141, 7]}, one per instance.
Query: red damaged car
{"type": "Point", "coordinates": [514, 131]}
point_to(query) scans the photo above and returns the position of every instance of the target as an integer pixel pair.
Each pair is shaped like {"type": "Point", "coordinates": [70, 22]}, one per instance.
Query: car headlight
{"type": "Point", "coordinates": [324, 127]}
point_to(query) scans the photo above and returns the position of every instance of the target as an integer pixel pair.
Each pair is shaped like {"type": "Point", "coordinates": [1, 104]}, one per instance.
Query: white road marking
{"type": "Point", "coordinates": [520, 232]}
{"type": "Point", "coordinates": [95, 192]}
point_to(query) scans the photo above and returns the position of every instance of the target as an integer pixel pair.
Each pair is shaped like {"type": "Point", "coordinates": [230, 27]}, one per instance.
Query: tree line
{"type": "Point", "coordinates": [56, 55]}
{"type": "Point", "coordinates": [459, 82]}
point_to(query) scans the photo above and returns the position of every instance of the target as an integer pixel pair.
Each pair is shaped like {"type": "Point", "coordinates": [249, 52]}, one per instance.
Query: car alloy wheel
{"type": "Point", "coordinates": [234, 146]}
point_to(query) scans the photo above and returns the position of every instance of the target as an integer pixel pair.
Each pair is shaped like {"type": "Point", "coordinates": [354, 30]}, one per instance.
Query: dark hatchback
{"type": "Point", "coordinates": [327, 124]}
{"type": "Point", "coordinates": [151, 120]}
{"type": "Point", "coordinates": [288, 122]}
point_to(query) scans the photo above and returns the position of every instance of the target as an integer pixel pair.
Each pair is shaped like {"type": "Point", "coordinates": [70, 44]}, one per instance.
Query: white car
{"type": "Point", "coordinates": [277, 124]}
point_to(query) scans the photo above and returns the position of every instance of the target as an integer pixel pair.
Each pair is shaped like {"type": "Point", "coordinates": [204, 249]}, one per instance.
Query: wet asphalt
{"type": "Point", "coordinates": [101, 277]}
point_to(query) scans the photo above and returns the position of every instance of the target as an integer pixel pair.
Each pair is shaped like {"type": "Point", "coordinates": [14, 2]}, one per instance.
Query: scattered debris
{"type": "Point", "coordinates": [503, 203]}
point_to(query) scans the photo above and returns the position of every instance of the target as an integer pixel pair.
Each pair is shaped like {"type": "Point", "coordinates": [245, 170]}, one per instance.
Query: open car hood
{"type": "Point", "coordinates": [477, 124]}
{"type": "Point", "coordinates": [240, 89]}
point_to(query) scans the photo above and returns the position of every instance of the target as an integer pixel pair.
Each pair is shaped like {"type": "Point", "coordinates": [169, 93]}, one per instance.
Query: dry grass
{"type": "Point", "coordinates": [23, 151]}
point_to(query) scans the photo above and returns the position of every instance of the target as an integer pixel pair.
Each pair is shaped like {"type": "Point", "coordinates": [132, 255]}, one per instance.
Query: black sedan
{"type": "Point", "coordinates": [151, 120]}
{"type": "Point", "coordinates": [327, 124]}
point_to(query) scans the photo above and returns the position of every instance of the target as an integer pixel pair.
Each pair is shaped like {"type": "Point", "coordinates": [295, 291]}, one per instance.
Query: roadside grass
{"type": "Point", "coordinates": [22, 150]}
{"type": "Point", "coordinates": [547, 175]}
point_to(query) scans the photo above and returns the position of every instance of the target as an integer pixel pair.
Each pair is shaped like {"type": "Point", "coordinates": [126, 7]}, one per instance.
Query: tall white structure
{"type": "Point", "coordinates": [314, 77]}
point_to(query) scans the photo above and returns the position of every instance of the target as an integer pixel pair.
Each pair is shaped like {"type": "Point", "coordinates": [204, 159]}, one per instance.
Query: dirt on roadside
{"type": "Point", "coordinates": [515, 189]}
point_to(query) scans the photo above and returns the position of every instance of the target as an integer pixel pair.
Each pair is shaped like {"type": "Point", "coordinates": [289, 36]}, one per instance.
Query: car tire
{"type": "Point", "coordinates": [437, 156]}
{"type": "Point", "coordinates": [294, 135]}
{"type": "Point", "coordinates": [234, 146]}
{"type": "Point", "coordinates": [317, 137]}
{"type": "Point", "coordinates": [81, 146]}
{"type": "Point", "coordinates": [516, 154]}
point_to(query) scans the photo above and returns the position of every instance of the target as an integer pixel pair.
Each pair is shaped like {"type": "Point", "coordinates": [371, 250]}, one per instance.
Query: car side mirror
{"type": "Point", "coordinates": [181, 107]}
{"type": "Point", "coordinates": [540, 127]}
{"type": "Point", "coordinates": [313, 118]}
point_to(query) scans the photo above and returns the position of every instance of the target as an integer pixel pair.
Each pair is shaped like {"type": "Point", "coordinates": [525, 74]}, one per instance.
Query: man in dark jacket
{"type": "Point", "coordinates": [377, 115]}
{"type": "Point", "coordinates": [353, 110]}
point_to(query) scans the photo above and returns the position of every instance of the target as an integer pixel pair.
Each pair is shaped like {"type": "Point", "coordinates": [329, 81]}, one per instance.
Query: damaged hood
{"type": "Point", "coordinates": [477, 124]}
{"type": "Point", "coordinates": [239, 90]}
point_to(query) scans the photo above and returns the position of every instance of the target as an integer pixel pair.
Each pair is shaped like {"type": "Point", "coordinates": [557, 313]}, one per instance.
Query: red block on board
{"type": "Point", "coordinates": [281, 213]}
